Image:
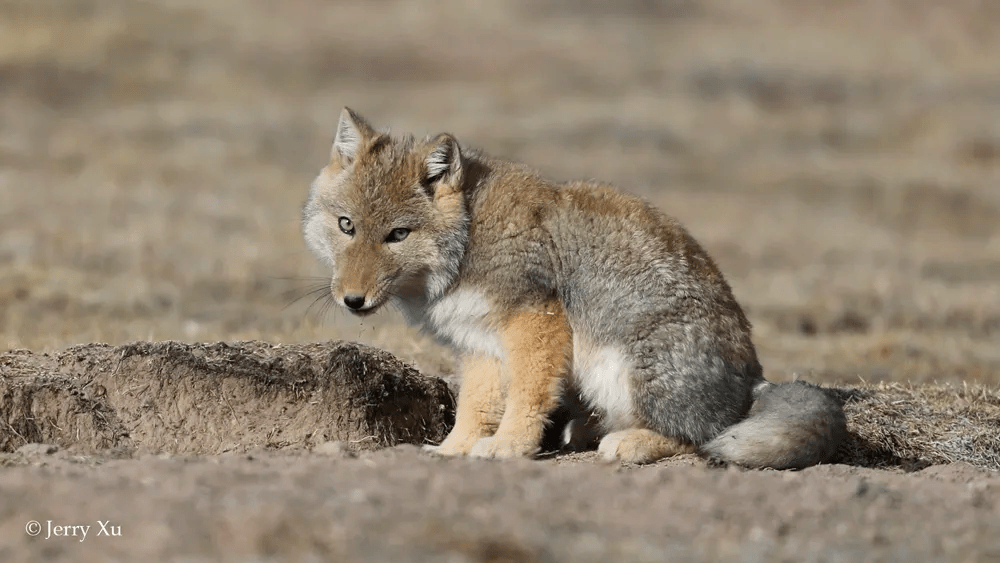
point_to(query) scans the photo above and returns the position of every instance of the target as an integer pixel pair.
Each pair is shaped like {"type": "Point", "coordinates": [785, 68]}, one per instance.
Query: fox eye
{"type": "Point", "coordinates": [397, 235]}
{"type": "Point", "coordinates": [346, 226]}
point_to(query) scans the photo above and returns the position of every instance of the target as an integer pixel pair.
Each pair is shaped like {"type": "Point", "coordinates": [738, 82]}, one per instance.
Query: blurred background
{"type": "Point", "coordinates": [839, 158]}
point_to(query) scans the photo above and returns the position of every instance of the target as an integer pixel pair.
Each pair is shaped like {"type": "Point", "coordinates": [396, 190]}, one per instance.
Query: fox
{"type": "Point", "coordinates": [555, 295]}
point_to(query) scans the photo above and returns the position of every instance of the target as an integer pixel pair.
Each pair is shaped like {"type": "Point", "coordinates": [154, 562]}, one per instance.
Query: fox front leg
{"type": "Point", "coordinates": [480, 406]}
{"type": "Point", "coordinates": [538, 348]}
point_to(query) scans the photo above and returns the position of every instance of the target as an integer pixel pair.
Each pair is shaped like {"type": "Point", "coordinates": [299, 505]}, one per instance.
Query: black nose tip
{"type": "Point", "coordinates": [354, 301]}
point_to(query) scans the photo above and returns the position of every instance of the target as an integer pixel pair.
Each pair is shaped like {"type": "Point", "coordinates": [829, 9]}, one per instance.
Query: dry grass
{"type": "Point", "coordinates": [838, 159]}
{"type": "Point", "coordinates": [893, 424]}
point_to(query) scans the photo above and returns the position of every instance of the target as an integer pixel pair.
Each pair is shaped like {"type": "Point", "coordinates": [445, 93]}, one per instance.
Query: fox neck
{"type": "Point", "coordinates": [455, 214]}
{"type": "Point", "coordinates": [420, 294]}
{"type": "Point", "coordinates": [441, 277]}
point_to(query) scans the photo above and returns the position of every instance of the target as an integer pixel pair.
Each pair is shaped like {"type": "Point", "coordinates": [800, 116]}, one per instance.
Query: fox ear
{"type": "Point", "coordinates": [443, 164]}
{"type": "Point", "coordinates": [352, 132]}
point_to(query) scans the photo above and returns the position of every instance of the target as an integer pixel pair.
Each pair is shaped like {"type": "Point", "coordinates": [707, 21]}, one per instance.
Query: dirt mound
{"type": "Point", "coordinates": [214, 398]}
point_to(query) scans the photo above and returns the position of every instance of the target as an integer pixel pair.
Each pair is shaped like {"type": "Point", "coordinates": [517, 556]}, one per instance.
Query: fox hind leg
{"type": "Point", "coordinates": [640, 445]}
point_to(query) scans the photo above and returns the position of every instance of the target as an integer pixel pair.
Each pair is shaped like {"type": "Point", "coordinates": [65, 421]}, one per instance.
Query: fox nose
{"type": "Point", "coordinates": [354, 301]}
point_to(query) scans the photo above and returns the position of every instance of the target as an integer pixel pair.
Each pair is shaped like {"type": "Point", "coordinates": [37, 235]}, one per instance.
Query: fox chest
{"type": "Point", "coordinates": [460, 320]}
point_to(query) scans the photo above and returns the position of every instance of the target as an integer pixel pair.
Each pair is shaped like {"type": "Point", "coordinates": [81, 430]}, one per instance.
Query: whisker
{"type": "Point", "coordinates": [313, 287]}
{"type": "Point", "coordinates": [296, 295]}
{"type": "Point", "coordinates": [394, 299]}
{"type": "Point", "coordinates": [323, 301]}
{"type": "Point", "coordinates": [329, 304]}
{"type": "Point", "coordinates": [299, 278]}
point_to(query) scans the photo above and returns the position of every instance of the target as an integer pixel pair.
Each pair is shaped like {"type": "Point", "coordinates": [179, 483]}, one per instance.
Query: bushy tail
{"type": "Point", "coordinates": [791, 425]}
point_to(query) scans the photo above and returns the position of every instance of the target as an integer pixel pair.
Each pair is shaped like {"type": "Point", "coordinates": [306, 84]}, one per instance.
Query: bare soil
{"type": "Point", "coordinates": [401, 505]}
{"type": "Point", "coordinates": [840, 160]}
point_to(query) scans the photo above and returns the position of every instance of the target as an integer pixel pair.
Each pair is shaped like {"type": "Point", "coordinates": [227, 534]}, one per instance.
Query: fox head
{"type": "Point", "coordinates": [388, 215]}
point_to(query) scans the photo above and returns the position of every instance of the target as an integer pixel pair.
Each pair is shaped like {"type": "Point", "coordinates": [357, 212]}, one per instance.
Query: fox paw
{"type": "Point", "coordinates": [498, 448]}
{"type": "Point", "coordinates": [439, 450]}
{"type": "Point", "coordinates": [640, 446]}
{"type": "Point", "coordinates": [609, 446]}
{"type": "Point", "coordinates": [450, 448]}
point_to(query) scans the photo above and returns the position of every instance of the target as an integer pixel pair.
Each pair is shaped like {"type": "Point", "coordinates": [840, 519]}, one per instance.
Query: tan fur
{"type": "Point", "coordinates": [639, 445]}
{"type": "Point", "coordinates": [360, 273]}
{"type": "Point", "coordinates": [538, 348]}
{"type": "Point", "coordinates": [480, 406]}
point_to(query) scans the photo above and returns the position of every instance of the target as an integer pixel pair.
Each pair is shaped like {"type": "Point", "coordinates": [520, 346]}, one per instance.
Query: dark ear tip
{"type": "Point", "coordinates": [348, 113]}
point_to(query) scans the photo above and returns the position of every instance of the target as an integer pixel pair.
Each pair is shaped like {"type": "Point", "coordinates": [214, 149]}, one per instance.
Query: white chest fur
{"type": "Point", "coordinates": [459, 319]}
